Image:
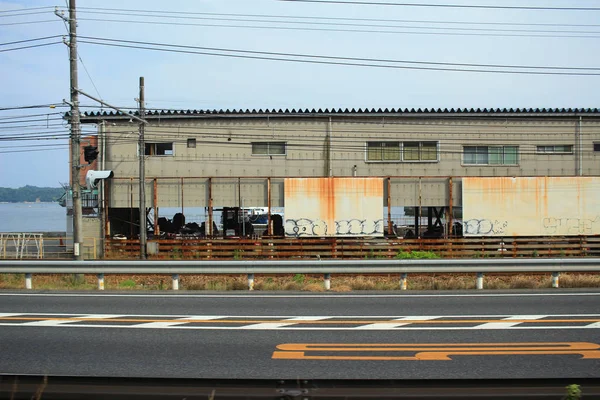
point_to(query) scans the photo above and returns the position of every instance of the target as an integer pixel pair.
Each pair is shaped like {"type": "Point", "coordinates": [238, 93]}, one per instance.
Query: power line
{"type": "Point", "coordinates": [50, 105]}
{"type": "Point", "coordinates": [246, 20]}
{"type": "Point", "coordinates": [167, 13]}
{"type": "Point", "coordinates": [28, 116]}
{"type": "Point", "coordinates": [23, 14]}
{"type": "Point", "coordinates": [28, 22]}
{"type": "Point", "coordinates": [30, 40]}
{"type": "Point", "coordinates": [29, 47]}
{"type": "Point", "coordinates": [345, 58]}
{"type": "Point", "coordinates": [327, 60]}
{"type": "Point", "coordinates": [491, 7]}
{"type": "Point", "coordinates": [582, 35]}
{"type": "Point", "coordinates": [26, 9]}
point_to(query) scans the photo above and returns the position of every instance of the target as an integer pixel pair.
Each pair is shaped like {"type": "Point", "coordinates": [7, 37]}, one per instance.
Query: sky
{"type": "Point", "coordinates": [419, 39]}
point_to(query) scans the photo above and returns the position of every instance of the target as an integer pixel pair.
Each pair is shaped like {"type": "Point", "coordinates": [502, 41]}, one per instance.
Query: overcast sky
{"type": "Point", "coordinates": [40, 75]}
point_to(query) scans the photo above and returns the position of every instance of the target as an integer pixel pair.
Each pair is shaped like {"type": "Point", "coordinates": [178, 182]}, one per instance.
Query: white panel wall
{"type": "Point", "coordinates": [333, 207]}
{"type": "Point", "coordinates": [536, 206]}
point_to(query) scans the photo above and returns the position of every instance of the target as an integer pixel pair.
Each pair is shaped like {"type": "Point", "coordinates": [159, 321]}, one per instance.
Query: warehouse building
{"type": "Point", "coordinates": [222, 159]}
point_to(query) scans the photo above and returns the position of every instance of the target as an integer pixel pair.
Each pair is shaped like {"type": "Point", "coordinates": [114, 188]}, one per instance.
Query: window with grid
{"type": "Point", "coordinates": [383, 151]}
{"type": "Point", "coordinates": [490, 155]}
{"type": "Point", "coordinates": [402, 151]}
{"type": "Point", "coordinates": [553, 149]}
{"type": "Point", "coordinates": [420, 151]}
{"type": "Point", "coordinates": [268, 148]}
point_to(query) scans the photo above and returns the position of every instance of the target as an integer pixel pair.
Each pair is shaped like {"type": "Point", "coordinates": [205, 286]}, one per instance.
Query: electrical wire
{"type": "Point", "coordinates": [246, 20]}
{"type": "Point", "coordinates": [472, 6]}
{"type": "Point", "coordinates": [177, 49]}
{"type": "Point", "coordinates": [49, 105]}
{"type": "Point", "coordinates": [29, 47]}
{"type": "Point", "coordinates": [23, 14]}
{"type": "Point", "coordinates": [581, 35]}
{"type": "Point", "coordinates": [170, 13]}
{"type": "Point", "coordinates": [30, 40]}
{"type": "Point", "coordinates": [28, 22]}
{"type": "Point", "coordinates": [26, 9]}
{"type": "Point", "coordinates": [344, 58]}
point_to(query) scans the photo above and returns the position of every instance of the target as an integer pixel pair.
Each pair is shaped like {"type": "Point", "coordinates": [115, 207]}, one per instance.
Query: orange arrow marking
{"type": "Point", "coordinates": [430, 351]}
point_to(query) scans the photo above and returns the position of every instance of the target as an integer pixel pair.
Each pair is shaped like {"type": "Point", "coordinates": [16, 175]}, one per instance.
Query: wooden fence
{"type": "Point", "coordinates": [338, 248]}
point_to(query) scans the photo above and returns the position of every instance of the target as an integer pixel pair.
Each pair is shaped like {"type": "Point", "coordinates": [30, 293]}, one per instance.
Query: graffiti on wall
{"type": "Point", "coordinates": [305, 227]}
{"type": "Point", "coordinates": [484, 227]}
{"type": "Point", "coordinates": [351, 227]}
{"type": "Point", "coordinates": [570, 226]}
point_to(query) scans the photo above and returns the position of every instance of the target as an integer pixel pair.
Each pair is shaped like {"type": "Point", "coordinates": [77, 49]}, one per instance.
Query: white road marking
{"type": "Point", "coordinates": [48, 322]}
{"type": "Point", "coordinates": [276, 325]}
{"type": "Point", "coordinates": [393, 325]}
{"type": "Point", "coordinates": [500, 325]}
{"type": "Point", "coordinates": [179, 321]}
{"type": "Point", "coordinates": [97, 316]}
{"type": "Point", "coordinates": [288, 328]}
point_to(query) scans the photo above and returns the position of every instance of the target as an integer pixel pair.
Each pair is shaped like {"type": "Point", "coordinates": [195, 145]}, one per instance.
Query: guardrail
{"type": "Point", "coordinates": [325, 267]}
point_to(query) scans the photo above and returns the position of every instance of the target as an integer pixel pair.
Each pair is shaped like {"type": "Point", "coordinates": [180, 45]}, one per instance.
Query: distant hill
{"type": "Point", "coordinates": [30, 194]}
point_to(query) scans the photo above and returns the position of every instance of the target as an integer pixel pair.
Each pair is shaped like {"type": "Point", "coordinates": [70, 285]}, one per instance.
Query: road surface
{"type": "Point", "coordinates": [242, 335]}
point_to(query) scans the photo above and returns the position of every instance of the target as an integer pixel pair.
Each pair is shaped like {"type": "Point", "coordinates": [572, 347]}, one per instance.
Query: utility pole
{"type": "Point", "coordinates": [142, 151]}
{"type": "Point", "coordinates": [75, 135]}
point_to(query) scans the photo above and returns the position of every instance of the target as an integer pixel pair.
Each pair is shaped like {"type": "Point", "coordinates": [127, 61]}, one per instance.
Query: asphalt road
{"type": "Point", "coordinates": [420, 335]}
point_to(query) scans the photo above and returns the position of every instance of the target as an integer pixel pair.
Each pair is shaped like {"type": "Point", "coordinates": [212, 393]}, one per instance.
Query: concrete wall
{"type": "Point", "coordinates": [92, 238]}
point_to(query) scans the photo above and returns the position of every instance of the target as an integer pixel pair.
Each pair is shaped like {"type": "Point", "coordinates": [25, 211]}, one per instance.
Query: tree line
{"type": "Point", "coordinates": [30, 194]}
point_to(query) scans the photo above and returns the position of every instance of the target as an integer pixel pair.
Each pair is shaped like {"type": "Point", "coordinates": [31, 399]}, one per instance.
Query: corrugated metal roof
{"type": "Point", "coordinates": [346, 111]}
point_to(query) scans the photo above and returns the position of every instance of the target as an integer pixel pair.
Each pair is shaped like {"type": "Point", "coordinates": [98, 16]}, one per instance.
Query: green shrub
{"type": "Point", "coordinates": [416, 255]}
{"type": "Point", "coordinates": [129, 284]}
{"type": "Point", "coordinates": [299, 279]}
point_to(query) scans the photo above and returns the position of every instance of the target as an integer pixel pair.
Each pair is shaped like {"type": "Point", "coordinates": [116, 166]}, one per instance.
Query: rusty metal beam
{"type": "Point", "coordinates": [450, 206]}
{"type": "Point", "coordinates": [182, 196]}
{"type": "Point", "coordinates": [105, 207]}
{"type": "Point", "coordinates": [155, 206]}
{"type": "Point", "coordinates": [389, 205]}
{"type": "Point", "coordinates": [131, 208]}
{"type": "Point", "coordinates": [269, 227]}
{"type": "Point", "coordinates": [210, 208]}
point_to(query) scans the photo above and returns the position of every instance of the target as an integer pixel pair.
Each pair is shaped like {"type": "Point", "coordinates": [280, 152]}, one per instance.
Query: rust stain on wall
{"type": "Point", "coordinates": [334, 206]}
{"type": "Point", "coordinates": [531, 206]}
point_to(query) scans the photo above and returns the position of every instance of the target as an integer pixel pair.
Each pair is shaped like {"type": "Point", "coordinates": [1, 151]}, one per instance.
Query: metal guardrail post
{"type": "Point", "coordinates": [555, 278]}
{"type": "Point", "coordinates": [480, 280]}
{"type": "Point", "coordinates": [175, 278]}
{"type": "Point", "coordinates": [403, 283]}
{"type": "Point", "coordinates": [100, 281]}
{"type": "Point", "coordinates": [250, 281]}
{"type": "Point", "coordinates": [28, 279]}
{"type": "Point", "coordinates": [327, 281]}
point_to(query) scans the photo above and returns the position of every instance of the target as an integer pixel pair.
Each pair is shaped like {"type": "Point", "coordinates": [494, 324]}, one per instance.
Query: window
{"type": "Point", "coordinates": [565, 149]}
{"type": "Point", "coordinates": [402, 151]}
{"type": "Point", "coordinates": [596, 146]}
{"type": "Point", "coordinates": [420, 151]}
{"type": "Point", "coordinates": [159, 149]}
{"type": "Point", "coordinates": [268, 148]}
{"type": "Point", "coordinates": [191, 143]}
{"type": "Point", "coordinates": [383, 151]}
{"type": "Point", "coordinates": [490, 155]}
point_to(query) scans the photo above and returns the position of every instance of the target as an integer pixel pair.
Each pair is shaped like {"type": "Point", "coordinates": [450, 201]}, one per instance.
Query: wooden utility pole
{"type": "Point", "coordinates": [142, 153]}
{"type": "Point", "coordinates": [75, 136]}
